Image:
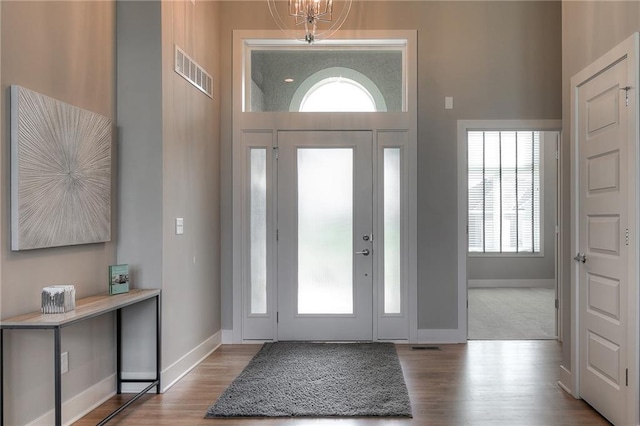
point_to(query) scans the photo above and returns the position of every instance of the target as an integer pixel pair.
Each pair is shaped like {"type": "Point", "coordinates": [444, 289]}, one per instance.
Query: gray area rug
{"type": "Point", "coordinates": [512, 313]}
{"type": "Point", "coordinates": [300, 379]}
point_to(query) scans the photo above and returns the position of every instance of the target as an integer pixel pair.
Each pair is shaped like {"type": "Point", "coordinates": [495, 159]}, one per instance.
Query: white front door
{"type": "Point", "coordinates": [325, 260]}
{"type": "Point", "coordinates": [603, 240]}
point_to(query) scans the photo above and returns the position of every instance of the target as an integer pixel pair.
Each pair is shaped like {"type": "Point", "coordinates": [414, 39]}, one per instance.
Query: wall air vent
{"type": "Point", "coordinates": [193, 73]}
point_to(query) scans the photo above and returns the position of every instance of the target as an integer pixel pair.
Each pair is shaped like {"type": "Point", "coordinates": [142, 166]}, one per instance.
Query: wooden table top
{"type": "Point", "coordinates": [86, 308]}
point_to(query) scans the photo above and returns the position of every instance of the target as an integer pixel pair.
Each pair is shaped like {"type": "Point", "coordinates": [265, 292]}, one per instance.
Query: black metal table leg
{"type": "Point", "coordinates": [158, 341]}
{"type": "Point", "coordinates": [57, 371]}
{"type": "Point", "coordinates": [119, 350]}
{"type": "Point", "coordinates": [1, 377]}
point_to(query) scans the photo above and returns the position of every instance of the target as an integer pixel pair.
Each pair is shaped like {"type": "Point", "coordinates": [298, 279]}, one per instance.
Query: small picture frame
{"type": "Point", "coordinates": [118, 279]}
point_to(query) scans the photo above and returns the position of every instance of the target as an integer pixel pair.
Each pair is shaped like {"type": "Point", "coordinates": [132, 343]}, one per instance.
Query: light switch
{"type": "Point", "coordinates": [448, 102]}
{"type": "Point", "coordinates": [179, 226]}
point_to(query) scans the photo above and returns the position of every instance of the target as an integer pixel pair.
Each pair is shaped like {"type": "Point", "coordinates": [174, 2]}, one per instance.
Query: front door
{"type": "Point", "coordinates": [603, 234]}
{"type": "Point", "coordinates": [324, 235]}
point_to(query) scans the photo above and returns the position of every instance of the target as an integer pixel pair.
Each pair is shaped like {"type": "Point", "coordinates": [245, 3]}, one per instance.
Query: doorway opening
{"type": "Point", "coordinates": [511, 218]}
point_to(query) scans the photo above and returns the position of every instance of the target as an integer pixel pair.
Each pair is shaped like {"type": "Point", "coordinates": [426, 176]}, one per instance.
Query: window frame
{"type": "Point", "coordinates": [355, 44]}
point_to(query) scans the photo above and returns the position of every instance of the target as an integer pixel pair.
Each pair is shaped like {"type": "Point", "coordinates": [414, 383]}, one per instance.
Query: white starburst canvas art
{"type": "Point", "coordinates": [60, 173]}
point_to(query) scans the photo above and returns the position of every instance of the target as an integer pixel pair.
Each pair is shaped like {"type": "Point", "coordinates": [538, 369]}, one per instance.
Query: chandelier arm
{"type": "Point", "coordinates": [310, 13]}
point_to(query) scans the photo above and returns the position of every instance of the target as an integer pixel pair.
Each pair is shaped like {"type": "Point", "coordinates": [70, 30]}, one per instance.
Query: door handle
{"type": "Point", "coordinates": [580, 257]}
{"type": "Point", "coordinates": [364, 252]}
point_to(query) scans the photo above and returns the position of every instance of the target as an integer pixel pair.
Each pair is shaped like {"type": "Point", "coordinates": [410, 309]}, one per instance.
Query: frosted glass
{"type": "Point", "coordinates": [258, 230]}
{"type": "Point", "coordinates": [325, 231]}
{"type": "Point", "coordinates": [392, 290]}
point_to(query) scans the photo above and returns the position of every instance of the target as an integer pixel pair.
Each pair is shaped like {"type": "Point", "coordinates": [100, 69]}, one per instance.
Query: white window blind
{"type": "Point", "coordinates": [504, 191]}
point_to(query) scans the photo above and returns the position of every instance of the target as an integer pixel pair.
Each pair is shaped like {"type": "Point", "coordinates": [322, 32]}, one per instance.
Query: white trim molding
{"type": "Point", "coordinates": [82, 404]}
{"type": "Point", "coordinates": [566, 381]}
{"type": "Point", "coordinates": [519, 283]}
{"type": "Point", "coordinates": [227, 337]}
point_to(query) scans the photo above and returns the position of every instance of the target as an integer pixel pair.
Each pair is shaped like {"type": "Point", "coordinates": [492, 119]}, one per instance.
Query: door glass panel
{"type": "Point", "coordinates": [392, 300]}
{"type": "Point", "coordinates": [258, 230]}
{"type": "Point", "coordinates": [325, 231]}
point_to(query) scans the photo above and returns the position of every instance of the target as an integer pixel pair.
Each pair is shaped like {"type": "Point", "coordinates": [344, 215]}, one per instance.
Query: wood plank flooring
{"type": "Point", "coordinates": [511, 383]}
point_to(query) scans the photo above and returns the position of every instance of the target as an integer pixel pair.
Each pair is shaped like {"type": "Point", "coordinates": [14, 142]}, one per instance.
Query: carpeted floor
{"type": "Point", "coordinates": [511, 313]}
{"type": "Point", "coordinates": [298, 379]}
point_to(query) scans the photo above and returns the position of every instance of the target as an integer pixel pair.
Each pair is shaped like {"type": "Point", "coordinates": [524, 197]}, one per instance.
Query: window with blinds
{"type": "Point", "coordinates": [504, 191]}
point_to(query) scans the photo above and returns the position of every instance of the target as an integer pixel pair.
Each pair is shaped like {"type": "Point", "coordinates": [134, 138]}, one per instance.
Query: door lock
{"type": "Point", "coordinates": [364, 252]}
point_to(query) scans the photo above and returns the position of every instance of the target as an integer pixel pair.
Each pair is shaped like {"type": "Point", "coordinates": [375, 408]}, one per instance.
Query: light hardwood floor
{"type": "Point", "coordinates": [510, 383]}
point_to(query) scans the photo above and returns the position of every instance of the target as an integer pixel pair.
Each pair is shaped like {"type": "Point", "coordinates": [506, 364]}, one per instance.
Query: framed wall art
{"type": "Point", "coordinates": [60, 173]}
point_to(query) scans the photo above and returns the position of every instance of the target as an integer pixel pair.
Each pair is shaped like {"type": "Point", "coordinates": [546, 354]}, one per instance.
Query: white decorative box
{"type": "Point", "coordinates": [58, 299]}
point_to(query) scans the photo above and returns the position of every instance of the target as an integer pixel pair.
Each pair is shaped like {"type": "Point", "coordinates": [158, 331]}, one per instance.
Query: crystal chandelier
{"type": "Point", "coordinates": [309, 20]}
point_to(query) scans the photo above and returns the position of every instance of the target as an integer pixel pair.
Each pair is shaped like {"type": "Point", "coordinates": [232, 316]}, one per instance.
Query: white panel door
{"type": "Point", "coordinates": [325, 287]}
{"type": "Point", "coordinates": [603, 245]}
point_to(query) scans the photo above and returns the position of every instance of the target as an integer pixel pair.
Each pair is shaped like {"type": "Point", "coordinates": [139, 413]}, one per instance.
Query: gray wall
{"type": "Point", "coordinates": [169, 145]}
{"type": "Point", "coordinates": [589, 30]}
{"type": "Point", "coordinates": [499, 60]}
{"type": "Point", "coordinates": [139, 102]}
{"type": "Point", "coordinates": [65, 50]}
{"type": "Point", "coordinates": [535, 267]}
{"type": "Point", "coordinates": [191, 185]}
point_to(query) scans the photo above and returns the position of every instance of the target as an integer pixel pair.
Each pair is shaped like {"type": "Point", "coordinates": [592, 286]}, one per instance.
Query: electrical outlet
{"type": "Point", "coordinates": [64, 362]}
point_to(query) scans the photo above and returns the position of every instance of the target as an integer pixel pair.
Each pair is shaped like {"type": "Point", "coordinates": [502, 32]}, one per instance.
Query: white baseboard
{"type": "Point", "coordinates": [566, 381]}
{"type": "Point", "coordinates": [81, 404]}
{"type": "Point", "coordinates": [441, 336]}
{"type": "Point", "coordinates": [176, 371]}
{"type": "Point", "coordinates": [538, 283]}
{"type": "Point", "coordinates": [227, 337]}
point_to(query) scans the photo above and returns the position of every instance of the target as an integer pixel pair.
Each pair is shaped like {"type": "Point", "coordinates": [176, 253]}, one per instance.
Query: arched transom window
{"type": "Point", "coordinates": [338, 89]}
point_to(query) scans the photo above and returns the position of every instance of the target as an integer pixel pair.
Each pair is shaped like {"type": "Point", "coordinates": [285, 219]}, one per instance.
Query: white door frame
{"type": "Point", "coordinates": [264, 126]}
{"type": "Point", "coordinates": [627, 49]}
{"type": "Point", "coordinates": [463, 127]}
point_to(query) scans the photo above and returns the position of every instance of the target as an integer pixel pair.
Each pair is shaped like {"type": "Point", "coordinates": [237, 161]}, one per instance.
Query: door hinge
{"type": "Point", "coordinates": [557, 304]}
{"type": "Point", "coordinates": [276, 152]}
{"type": "Point", "coordinates": [277, 317]}
{"type": "Point", "coordinates": [626, 236]}
{"type": "Point", "coordinates": [277, 234]}
{"type": "Point", "coordinates": [557, 155]}
{"type": "Point", "coordinates": [626, 94]}
{"type": "Point", "coordinates": [626, 377]}
{"type": "Point", "coordinates": [467, 303]}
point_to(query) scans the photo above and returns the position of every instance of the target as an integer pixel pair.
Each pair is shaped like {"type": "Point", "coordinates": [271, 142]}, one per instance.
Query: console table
{"type": "Point", "coordinates": [86, 308]}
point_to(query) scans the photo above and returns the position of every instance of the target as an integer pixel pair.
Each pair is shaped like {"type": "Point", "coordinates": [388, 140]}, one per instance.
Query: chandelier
{"type": "Point", "coordinates": [309, 20]}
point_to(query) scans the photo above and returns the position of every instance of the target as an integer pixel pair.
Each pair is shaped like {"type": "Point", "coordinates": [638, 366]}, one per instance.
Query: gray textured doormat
{"type": "Point", "coordinates": [300, 379]}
